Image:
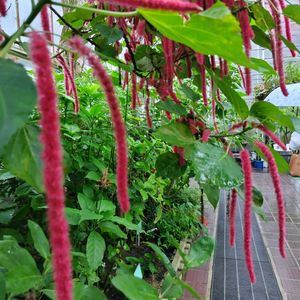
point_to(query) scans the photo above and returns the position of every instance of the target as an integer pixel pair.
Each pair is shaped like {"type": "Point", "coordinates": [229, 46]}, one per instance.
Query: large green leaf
{"type": "Point", "coordinates": [232, 96]}
{"type": "Point", "coordinates": [167, 165]}
{"type": "Point", "coordinates": [212, 192]}
{"type": "Point", "coordinates": [170, 288]}
{"type": "Point", "coordinates": [260, 38]}
{"type": "Point", "coordinates": [163, 258]}
{"type": "Point", "coordinates": [40, 241]}
{"type": "Point", "coordinates": [175, 134]}
{"type": "Point", "coordinates": [95, 249]}
{"type": "Point", "coordinates": [22, 273]}
{"type": "Point", "coordinates": [134, 288]}
{"type": "Point", "coordinates": [214, 164]}
{"type": "Point", "coordinates": [22, 156]}
{"type": "Point", "coordinates": [81, 292]}
{"type": "Point", "coordinates": [266, 111]}
{"type": "Point", "coordinates": [262, 17]}
{"type": "Point", "coordinates": [17, 98]}
{"type": "Point", "coordinates": [214, 31]}
{"type": "Point", "coordinates": [293, 12]}
{"type": "Point", "coordinates": [112, 228]}
{"type": "Point", "coordinates": [172, 107]}
{"type": "Point", "coordinates": [2, 286]}
{"type": "Point", "coordinates": [200, 252]}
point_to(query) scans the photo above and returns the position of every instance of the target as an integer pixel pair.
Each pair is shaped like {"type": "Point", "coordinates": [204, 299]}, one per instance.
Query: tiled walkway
{"type": "Point", "coordinates": [288, 270]}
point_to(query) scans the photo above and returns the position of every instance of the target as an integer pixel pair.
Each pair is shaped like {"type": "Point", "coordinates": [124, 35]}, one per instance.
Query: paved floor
{"type": "Point", "coordinates": [287, 270]}
{"type": "Point", "coordinates": [230, 279]}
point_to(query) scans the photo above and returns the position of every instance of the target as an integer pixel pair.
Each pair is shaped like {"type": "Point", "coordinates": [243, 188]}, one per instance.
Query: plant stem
{"type": "Point", "coordinates": [97, 11]}
{"type": "Point", "coordinates": [6, 45]}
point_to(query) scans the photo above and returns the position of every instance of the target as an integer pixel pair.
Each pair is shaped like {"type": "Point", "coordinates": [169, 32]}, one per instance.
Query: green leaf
{"type": "Point", "coordinates": [262, 17]}
{"type": "Point", "coordinates": [177, 134]}
{"type": "Point", "coordinates": [262, 66]}
{"type": "Point", "coordinates": [88, 215]}
{"type": "Point", "coordinates": [122, 221]}
{"type": "Point", "coordinates": [40, 241]}
{"type": "Point", "coordinates": [22, 273]}
{"type": "Point", "coordinates": [148, 58]}
{"type": "Point", "coordinates": [81, 292]}
{"type": "Point", "coordinates": [163, 258]}
{"type": "Point", "coordinates": [296, 123]}
{"type": "Point", "coordinates": [172, 107]}
{"type": "Point", "coordinates": [293, 12]}
{"type": "Point", "coordinates": [170, 288]}
{"type": "Point", "coordinates": [95, 249]}
{"type": "Point", "coordinates": [266, 111]}
{"type": "Point", "coordinates": [260, 38]}
{"type": "Point", "coordinates": [225, 85]}
{"type": "Point", "coordinates": [110, 227]}
{"type": "Point", "coordinates": [189, 92]}
{"type": "Point", "coordinates": [17, 98]}
{"type": "Point", "coordinates": [214, 164]}
{"type": "Point", "coordinates": [212, 192]}
{"type": "Point", "coordinates": [22, 156]}
{"type": "Point", "coordinates": [167, 166]}
{"type": "Point", "coordinates": [212, 32]}
{"type": "Point", "coordinates": [85, 202]}
{"type": "Point", "coordinates": [200, 253]}
{"type": "Point", "coordinates": [289, 44]}
{"type": "Point", "coordinates": [92, 175]}
{"type": "Point", "coordinates": [189, 288]}
{"type": "Point", "coordinates": [72, 215]}
{"type": "Point", "coordinates": [111, 34]}
{"type": "Point", "coordinates": [134, 288]}
{"type": "Point", "coordinates": [2, 286]}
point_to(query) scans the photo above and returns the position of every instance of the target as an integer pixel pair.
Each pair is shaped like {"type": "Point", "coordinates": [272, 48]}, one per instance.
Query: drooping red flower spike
{"type": "Point", "coordinates": [278, 191]}
{"type": "Point", "coordinates": [70, 79]}
{"type": "Point", "coordinates": [229, 3]}
{"type": "Point", "coordinates": [276, 13]}
{"type": "Point", "coordinates": [270, 134]}
{"type": "Point", "coordinates": [134, 94]}
{"type": "Point", "coordinates": [168, 53]}
{"type": "Point", "coordinates": [247, 34]}
{"type": "Point", "coordinates": [180, 152]}
{"type": "Point", "coordinates": [118, 124]}
{"type": "Point", "coordinates": [53, 167]}
{"type": "Point", "coordinates": [232, 213]}
{"type": "Point", "coordinates": [178, 5]}
{"type": "Point", "coordinates": [246, 166]}
{"type": "Point", "coordinates": [46, 22]}
{"type": "Point", "coordinates": [205, 135]}
{"type": "Point", "coordinates": [147, 109]}
{"type": "Point", "coordinates": [287, 23]}
{"type": "Point", "coordinates": [200, 61]}
{"type": "Point", "coordinates": [3, 8]}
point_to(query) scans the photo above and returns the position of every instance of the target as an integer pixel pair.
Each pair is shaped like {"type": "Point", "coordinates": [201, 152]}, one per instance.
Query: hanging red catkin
{"type": "Point", "coordinates": [180, 152]}
{"type": "Point", "coordinates": [134, 94]}
{"type": "Point", "coordinates": [226, 70]}
{"type": "Point", "coordinates": [46, 23]}
{"type": "Point", "coordinates": [140, 29]}
{"type": "Point", "coordinates": [232, 211]}
{"type": "Point", "coordinates": [168, 53]}
{"type": "Point", "coordinates": [188, 63]}
{"type": "Point", "coordinates": [118, 124]}
{"type": "Point", "coordinates": [142, 82]}
{"type": "Point", "coordinates": [238, 125]}
{"type": "Point", "coordinates": [273, 49]}
{"type": "Point", "coordinates": [52, 167]}
{"type": "Point", "coordinates": [246, 166]}
{"type": "Point", "coordinates": [247, 34]}
{"type": "Point", "coordinates": [70, 80]}
{"type": "Point", "coordinates": [200, 61]}
{"type": "Point", "coordinates": [242, 77]}
{"type": "Point", "coordinates": [125, 82]}
{"type": "Point", "coordinates": [180, 6]}
{"type": "Point", "coordinates": [3, 8]}
{"type": "Point", "coordinates": [229, 3]}
{"type": "Point", "coordinates": [278, 191]}
{"type": "Point", "coordinates": [147, 109]}
{"type": "Point", "coordinates": [205, 135]}
{"type": "Point", "coordinates": [276, 13]}
{"type": "Point", "coordinates": [287, 23]}
{"type": "Point", "coordinates": [270, 134]}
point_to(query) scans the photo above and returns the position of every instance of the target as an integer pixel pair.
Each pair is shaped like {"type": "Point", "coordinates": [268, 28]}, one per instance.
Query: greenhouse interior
{"type": "Point", "coordinates": [149, 149]}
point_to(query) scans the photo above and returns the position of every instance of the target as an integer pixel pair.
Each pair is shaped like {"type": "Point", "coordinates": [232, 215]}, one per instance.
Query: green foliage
{"type": "Point", "coordinates": [293, 12]}
{"type": "Point", "coordinates": [95, 250]}
{"type": "Point", "coordinates": [17, 98]}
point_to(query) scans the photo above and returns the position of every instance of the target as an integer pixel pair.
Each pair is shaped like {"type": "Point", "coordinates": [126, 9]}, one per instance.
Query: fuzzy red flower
{"type": "Point", "coordinates": [53, 167]}
{"type": "Point", "coordinates": [278, 191]}
{"type": "Point", "coordinates": [181, 6]}
{"type": "Point", "coordinates": [3, 8]}
{"type": "Point", "coordinates": [246, 166]}
{"type": "Point", "coordinates": [232, 212]}
{"type": "Point", "coordinates": [46, 22]}
{"type": "Point", "coordinates": [118, 124]}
